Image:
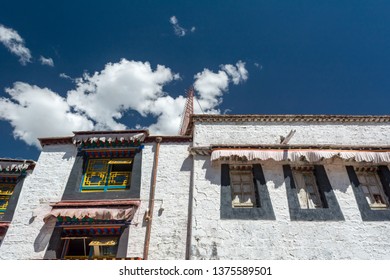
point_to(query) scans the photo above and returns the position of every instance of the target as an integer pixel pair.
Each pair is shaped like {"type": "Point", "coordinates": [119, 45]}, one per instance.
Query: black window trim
{"type": "Point", "coordinates": [366, 213]}
{"type": "Point", "coordinates": [264, 209]}
{"type": "Point", "coordinates": [331, 210]}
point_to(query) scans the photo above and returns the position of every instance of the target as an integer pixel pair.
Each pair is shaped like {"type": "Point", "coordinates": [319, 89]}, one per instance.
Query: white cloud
{"type": "Point", "coordinates": [37, 112]}
{"type": "Point", "coordinates": [179, 31]}
{"type": "Point", "coordinates": [64, 76]}
{"type": "Point", "coordinates": [258, 65]}
{"type": "Point", "coordinates": [100, 100]}
{"type": "Point", "coordinates": [105, 95]}
{"type": "Point", "coordinates": [46, 61]}
{"type": "Point", "coordinates": [15, 44]}
{"type": "Point", "coordinates": [211, 86]}
{"type": "Point", "coordinates": [168, 110]}
{"type": "Point", "coordinates": [173, 20]}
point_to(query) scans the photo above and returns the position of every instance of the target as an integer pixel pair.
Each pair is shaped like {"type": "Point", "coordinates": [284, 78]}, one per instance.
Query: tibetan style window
{"type": "Point", "coordinates": [89, 247]}
{"type": "Point", "coordinates": [6, 191]}
{"type": "Point", "coordinates": [306, 186]}
{"type": "Point", "coordinates": [107, 175]}
{"type": "Point", "coordinates": [99, 240]}
{"type": "Point", "coordinates": [372, 188]}
{"type": "Point", "coordinates": [88, 238]}
{"type": "Point", "coordinates": [244, 193]}
{"type": "Point", "coordinates": [310, 195]}
{"type": "Point", "coordinates": [242, 186]}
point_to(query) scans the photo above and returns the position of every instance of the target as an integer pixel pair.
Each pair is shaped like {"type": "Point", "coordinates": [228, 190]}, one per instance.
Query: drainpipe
{"type": "Point", "coordinates": [149, 214]}
{"type": "Point", "coordinates": [190, 206]}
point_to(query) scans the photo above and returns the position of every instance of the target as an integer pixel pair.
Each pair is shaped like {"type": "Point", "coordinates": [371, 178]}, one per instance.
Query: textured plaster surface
{"type": "Point", "coordinates": [28, 236]}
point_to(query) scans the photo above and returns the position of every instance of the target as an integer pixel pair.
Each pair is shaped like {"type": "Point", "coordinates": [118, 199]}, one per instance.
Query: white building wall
{"type": "Point", "coordinates": [169, 225]}
{"type": "Point", "coordinates": [28, 236]}
{"type": "Point", "coordinates": [309, 133]}
{"type": "Point", "coordinates": [216, 238]}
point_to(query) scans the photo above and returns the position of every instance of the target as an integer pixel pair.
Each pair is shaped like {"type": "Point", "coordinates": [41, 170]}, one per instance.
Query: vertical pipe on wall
{"type": "Point", "coordinates": [151, 199]}
{"type": "Point", "coordinates": [190, 206]}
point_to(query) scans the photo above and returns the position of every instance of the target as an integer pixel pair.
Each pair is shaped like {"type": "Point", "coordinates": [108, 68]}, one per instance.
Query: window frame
{"type": "Point", "coordinates": [241, 193]}
{"type": "Point", "coordinates": [263, 209]}
{"type": "Point", "coordinates": [75, 179]}
{"type": "Point", "coordinates": [370, 196]}
{"type": "Point", "coordinates": [6, 195]}
{"type": "Point", "coordinates": [304, 196]}
{"type": "Point", "coordinates": [330, 211]}
{"type": "Point", "coordinates": [106, 175]}
{"type": "Point", "coordinates": [94, 251]}
{"type": "Point", "coordinates": [366, 212]}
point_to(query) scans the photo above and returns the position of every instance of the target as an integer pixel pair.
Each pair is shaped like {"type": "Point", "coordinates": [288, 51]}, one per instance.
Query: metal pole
{"type": "Point", "coordinates": [151, 199]}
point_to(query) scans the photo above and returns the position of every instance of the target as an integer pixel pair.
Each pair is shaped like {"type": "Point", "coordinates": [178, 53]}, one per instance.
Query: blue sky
{"type": "Point", "coordinates": [80, 65]}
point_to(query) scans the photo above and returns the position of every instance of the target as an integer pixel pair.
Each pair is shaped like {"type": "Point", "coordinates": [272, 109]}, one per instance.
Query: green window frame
{"type": "Point", "coordinates": [103, 175]}
{"type": "Point", "coordinates": [6, 191]}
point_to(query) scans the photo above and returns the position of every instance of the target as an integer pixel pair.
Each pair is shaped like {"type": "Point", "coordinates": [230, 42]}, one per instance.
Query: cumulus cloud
{"type": "Point", "coordinates": [15, 44]}
{"type": "Point", "coordinates": [105, 95]}
{"type": "Point", "coordinates": [99, 100]}
{"type": "Point", "coordinates": [46, 61]}
{"type": "Point", "coordinates": [37, 112]}
{"type": "Point", "coordinates": [211, 86]}
{"type": "Point", "coordinates": [179, 31]}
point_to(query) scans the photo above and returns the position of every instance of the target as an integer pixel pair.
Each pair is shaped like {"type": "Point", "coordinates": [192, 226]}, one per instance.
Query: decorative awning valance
{"type": "Point", "coordinates": [295, 155]}
{"type": "Point", "coordinates": [109, 137]}
{"type": "Point", "coordinates": [7, 166]}
{"type": "Point", "coordinates": [4, 225]}
{"type": "Point", "coordinates": [93, 213]}
{"type": "Point", "coordinates": [123, 210]}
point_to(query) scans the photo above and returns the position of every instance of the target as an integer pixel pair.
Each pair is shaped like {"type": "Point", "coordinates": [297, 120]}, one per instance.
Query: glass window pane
{"type": "Point", "coordinates": [78, 247]}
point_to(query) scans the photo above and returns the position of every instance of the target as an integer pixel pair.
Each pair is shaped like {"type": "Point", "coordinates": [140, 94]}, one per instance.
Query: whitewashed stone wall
{"type": "Point", "coordinates": [28, 236]}
{"type": "Point", "coordinates": [169, 225]}
{"type": "Point", "coordinates": [216, 238]}
{"type": "Point", "coordinates": [306, 133]}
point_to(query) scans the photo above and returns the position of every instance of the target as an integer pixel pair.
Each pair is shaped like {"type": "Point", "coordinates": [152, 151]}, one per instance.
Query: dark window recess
{"type": "Point", "coordinates": [246, 195]}
{"type": "Point", "coordinates": [88, 243]}
{"type": "Point", "coordinates": [104, 178]}
{"type": "Point", "coordinates": [311, 198]}
{"type": "Point", "coordinates": [371, 188]}
{"type": "Point", "coordinates": [76, 247]}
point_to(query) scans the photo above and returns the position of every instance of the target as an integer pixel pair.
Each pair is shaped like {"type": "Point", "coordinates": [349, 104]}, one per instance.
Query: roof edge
{"type": "Point", "coordinates": [205, 118]}
{"type": "Point", "coordinates": [165, 139]}
{"type": "Point", "coordinates": [55, 141]}
{"type": "Point", "coordinates": [98, 132]}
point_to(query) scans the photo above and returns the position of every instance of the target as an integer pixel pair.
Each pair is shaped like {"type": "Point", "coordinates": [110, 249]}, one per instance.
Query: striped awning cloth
{"type": "Point", "coordinates": [4, 225]}
{"type": "Point", "coordinates": [109, 137]}
{"type": "Point", "coordinates": [295, 155]}
{"type": "Point", "coordinates": [15, 167]}
{"type": "Point", "coordinates": [99, 213]}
